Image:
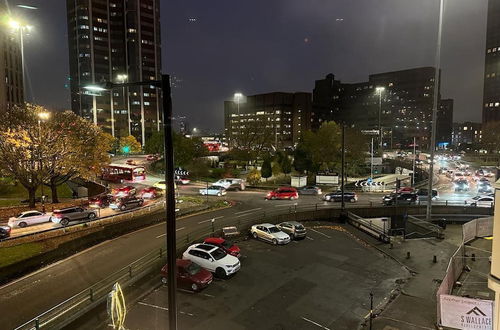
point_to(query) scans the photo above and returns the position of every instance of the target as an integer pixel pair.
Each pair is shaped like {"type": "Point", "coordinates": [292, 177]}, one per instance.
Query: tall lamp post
{"type": "Point", "coordinates": [379, 91]}
{"type": "Point", "coordinates": [164, 85]}
{"type": "Point", "coordinates": [435, 108]}
{"type": "Point", "coordinates": [237, 98]}
{"type": "Point", "coordinates": [21, 28]}
{"type": "Point", "coordinates": [122, 78]}
{"type": "Point", "coordinates": [42, 116]}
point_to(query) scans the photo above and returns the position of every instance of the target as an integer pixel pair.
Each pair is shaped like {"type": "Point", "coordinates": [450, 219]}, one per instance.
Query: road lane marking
{"type": "Point", "coordinates": [259, 208]}
{"type": "Point", "coordinates": [283, 205]}
{"type": "Point", "coordinates": [166, 234]}
{"type": "Point", "coordinates": [208, 295]}
{"type": "Point", "coordinates": [315, 323]}
{"type": "Point", "coordinates": [312, 239]}
{"type": "Point", "coordinates": [320, 233]}
{"type": "Point", "coordinates": [162, 308]}
{"type": "Point", "coordinates": [210, 219]}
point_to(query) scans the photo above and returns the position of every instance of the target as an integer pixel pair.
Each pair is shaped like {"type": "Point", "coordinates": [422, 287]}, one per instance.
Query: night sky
{"type": "Point", "coordinates": [258, 46]}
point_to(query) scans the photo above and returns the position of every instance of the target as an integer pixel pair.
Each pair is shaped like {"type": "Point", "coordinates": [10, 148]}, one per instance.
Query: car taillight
{"type": "Point", "coordinates": [57, 215]}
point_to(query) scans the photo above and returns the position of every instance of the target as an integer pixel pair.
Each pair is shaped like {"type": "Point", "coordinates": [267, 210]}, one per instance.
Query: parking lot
{"type": "Point", "coordinates": [321, 282]}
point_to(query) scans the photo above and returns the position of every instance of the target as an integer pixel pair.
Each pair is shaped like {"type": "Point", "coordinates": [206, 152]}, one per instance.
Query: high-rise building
{"type": "Point", "coordinates": [11, 71]}
{"type": "Point", "coordinates": [116, 41]}
{"type": "Point", "coordinates": [271, 119]}
{"type": "Point", "coordinates": [399, 104]}
{"type": "Point", "coordinates": [491, 93]}
{"type": "Point", "coordinates": [466, 135]}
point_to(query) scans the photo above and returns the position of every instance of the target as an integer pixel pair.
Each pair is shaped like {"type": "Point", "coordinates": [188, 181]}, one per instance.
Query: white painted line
{"type": "Point", "coordinates": [316, 324]}
{"type": "Point", "coordinates": [208, 295]}
{"type": "Point", "coordinates": [162, 308]}
{"type": "Point", "coordinates": [259, 208]}
{"type": "Point", "coordinates": [312, 239]}
{"type": "Point", "coordinates": [320, 233]}
{"type": "Point", "coordinates": [161, 235]}
{"type": "Point", "coordinates": [295, 242]}
{"type": "Point", "coordinates": [283, 205]}
{"type": "Point", "coordinates": [208, 220]}
{"type": "Point", "coordinates": [180, 228]}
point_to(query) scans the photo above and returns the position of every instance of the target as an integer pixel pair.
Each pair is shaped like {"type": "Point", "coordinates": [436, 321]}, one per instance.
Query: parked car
{"type": "Point", "coordinates": [400, 199]}
{"type": "Point", "coordinates": [213, 259]}
{"type": "Point", "coordinates": [294, 229]}
{"type": "Point", "coordinates": [461, 185]}
{"type": "Point", "coordinates": [283, 193]}
{"type": "Point", "coordinates": [481, 201]}
{"type": "Point", "coordinates": [309, 190]}
{"type": "Point", "coordinates": [337, 196]}
{"type": "Point", "coordinates": [68, 214]}
{"type": "Point", "coordinates": [423, 194]}
{"type": "Point", "coordinates": [124, 191]}
{"type": "Point", "coordinates": [228, 246]}
{"type": "Point", "coordinates": [151, 193]}
{"type": "Point", "coordinates": [28, 218]}
{"type": "Point", "coordinates": [182, 181]}
{"type": "Point", "coordinates": [101, 201]}
{"type": "Point", "coordinates": [190, 275]}
{"type": "Point", "coordinates": [213, 191]}
{"type": "Point", "coordinates": [270, 233]}
{"type": "Point", "coordinates": [131, 162]}
{"type": "Point", "coordinates": [5, 231]}
{"type": "Point", "coordinates": [126, 202]}
{"type": "Point", "coordinates": [231, 184]}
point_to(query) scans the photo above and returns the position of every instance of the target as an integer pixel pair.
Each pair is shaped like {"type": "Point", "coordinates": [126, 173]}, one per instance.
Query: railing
{"type": "Point", "coordinates": [77, 305]}
{"type": "Point", "coordinates": [368, 226]}
{"type": "Point", "coordinates": [475, 228]}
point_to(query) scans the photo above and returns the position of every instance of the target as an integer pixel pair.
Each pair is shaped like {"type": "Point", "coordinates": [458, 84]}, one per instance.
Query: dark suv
{"type": "Point", "coordinates": [400, 199]}
{"type": "Point", "coordinates": [123, 203]}
{"type": "Point", "coordinates": [100, 201]}
{"type": "Point", "coordinates": [337, 197]}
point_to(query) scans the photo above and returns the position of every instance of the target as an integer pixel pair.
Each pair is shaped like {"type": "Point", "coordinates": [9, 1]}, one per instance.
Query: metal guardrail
{"type": "Point", "coordinates": [368, 226]}
{"type": "Point", "coordinates": [69, 310]}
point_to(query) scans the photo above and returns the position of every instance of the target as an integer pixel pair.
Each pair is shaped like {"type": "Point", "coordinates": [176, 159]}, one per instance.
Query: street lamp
{"type": "Point", "coordinates": [122, 78]}
{"type": "Point", "coordinates": [164, 85]}
{"type": "Point", "coordinates": [42, 116]}
{"type": "Point", "coordinates": [237, 98]}
{"type": "Point", "coordinates": [379, 91]}
{"type": "Point", "coordinates": [19, 26]}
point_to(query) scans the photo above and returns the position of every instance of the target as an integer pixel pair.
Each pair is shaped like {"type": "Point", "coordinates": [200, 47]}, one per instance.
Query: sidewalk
{"type": "Point", "coordinates": [415, 307]}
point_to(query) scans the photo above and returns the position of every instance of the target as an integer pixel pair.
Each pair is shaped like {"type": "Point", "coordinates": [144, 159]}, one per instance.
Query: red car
{"type": "Point", "coordinates": [189, 275]}
{"type": "Point", "coordinates": [124, 191]}
{"type": "Point", "coordinates": [283, 193]}
{"type": "Point", "coordinates": [405, 190]}
{"type": "Point", "coordinates": [151, 193]}
{"type": "Point", "coordinates": [228, 246]}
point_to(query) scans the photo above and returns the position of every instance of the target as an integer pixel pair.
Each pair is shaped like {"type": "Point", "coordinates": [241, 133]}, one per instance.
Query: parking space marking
{"type": "Point", "coordinates": [320, 233]}
{"type": "Point", "coordinates": [247, 211]}
{"type": "Point", "coordinates": [162, 308]}
{"type": "Point", "coordinates": [315, 323]}
{"type": "Point", "coordinates": [208, 295]}
{"type": "Point", "coordinates": [310, 238]}
{"type": "Point", "coordinates": [210, 219]}
{"type": "Point", "coordinates": [295, 242]}
{"type": "Point", "coordinates": [161, 235]}
{"type": "Point", "coordinates": [180, 228]}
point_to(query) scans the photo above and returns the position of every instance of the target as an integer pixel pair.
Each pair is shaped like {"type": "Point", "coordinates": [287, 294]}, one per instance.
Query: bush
{"type": "Point", "coordinates": [253, 177]}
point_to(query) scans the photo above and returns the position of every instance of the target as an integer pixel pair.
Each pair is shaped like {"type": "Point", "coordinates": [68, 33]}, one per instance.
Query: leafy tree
{"type": "Point", "coordinates": [286, 165]}
{"type": "Point", "coordinates": [302, 161]}
{"type": "Point", "coordinates": [490, 140]}
{"type": "Point", "coordinates": [253, 177]}
{"type": "Point", "coordinates": [154, 145]}
{"type": "Point", "coordinates": [276, 169]}
{"type": "Point", "coordinates": [256, 136]}
{"type": "Point", "coordinates": [266, 170]}
{"type": "Point", "coordinates": [129, 145]}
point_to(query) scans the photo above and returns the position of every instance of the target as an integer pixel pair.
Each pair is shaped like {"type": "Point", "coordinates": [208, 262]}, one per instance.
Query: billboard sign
{"type": "Point", "coordinates": [466, 313]}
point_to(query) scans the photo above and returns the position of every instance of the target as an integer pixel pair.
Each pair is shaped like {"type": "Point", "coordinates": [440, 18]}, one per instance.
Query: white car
{"type": "Point", "coordinates": [481, 201]}
{"type": "Point", "coordinates": [213, 259]}
{"type": "Point", "coordinates": [270, 233]}
{"type": "Point", "coordinates": [231, 183]}
{"type": "Point", "coordinates": [213, 191]}
{"type": "Point", "coordinates": [28, 218]}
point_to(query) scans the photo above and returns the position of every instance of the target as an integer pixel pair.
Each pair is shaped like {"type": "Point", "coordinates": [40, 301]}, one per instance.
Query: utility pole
{"type": "Point", "coordinates": [343, 168]}
{"type": "Point", "coordinates": [435, 108]}
{"type": "Point", "coordinates": [371, 162]}
{"type": "Point", "coordinates": [414, 158]}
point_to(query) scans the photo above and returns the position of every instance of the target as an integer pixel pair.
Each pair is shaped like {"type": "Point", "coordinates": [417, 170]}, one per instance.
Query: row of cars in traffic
{"type": "Point", "coordinates": [220, 257]}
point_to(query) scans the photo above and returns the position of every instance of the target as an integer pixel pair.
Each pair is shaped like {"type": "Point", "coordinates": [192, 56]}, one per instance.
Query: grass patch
{"type": "Point", "coordinates": [13, 254]}
{"type": "Point", "coordinates": [17, 191]}
{"type": "Point", "coordinates": [8, 202]}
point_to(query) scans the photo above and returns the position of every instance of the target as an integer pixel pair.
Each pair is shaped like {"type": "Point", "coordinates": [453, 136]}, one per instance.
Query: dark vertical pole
{"type": "Point", "coordinates": [343, 167]}
{"type": "Point", "coordinates": [371, 309]}
{"type": "Point", "coordinates": [170, 207]}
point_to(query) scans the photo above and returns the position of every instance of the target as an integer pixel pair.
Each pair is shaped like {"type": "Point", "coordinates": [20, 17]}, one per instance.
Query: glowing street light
{"type": "Point", "coordinates": [44, 115]}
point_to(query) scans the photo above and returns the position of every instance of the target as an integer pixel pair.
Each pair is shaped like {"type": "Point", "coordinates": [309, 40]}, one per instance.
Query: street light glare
{"type": "Point", "coordinates": [380, 89]}
{"type": "Point", "coordinates": [44, 115]}
{"type": "Point", "coordinates": [238, 96]}
{"type": "Point", "coordinates": [94, 88]}
{"type": "Point", "coordinates": [14, 24]}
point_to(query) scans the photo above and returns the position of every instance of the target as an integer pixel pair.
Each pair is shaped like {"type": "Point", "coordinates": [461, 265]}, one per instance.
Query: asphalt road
{"type": "Point", "coordinates": [323, 281]}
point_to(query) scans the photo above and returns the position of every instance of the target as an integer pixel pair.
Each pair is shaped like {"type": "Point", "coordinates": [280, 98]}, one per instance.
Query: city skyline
{"type": "Point", "coordinates": [210, 53]}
